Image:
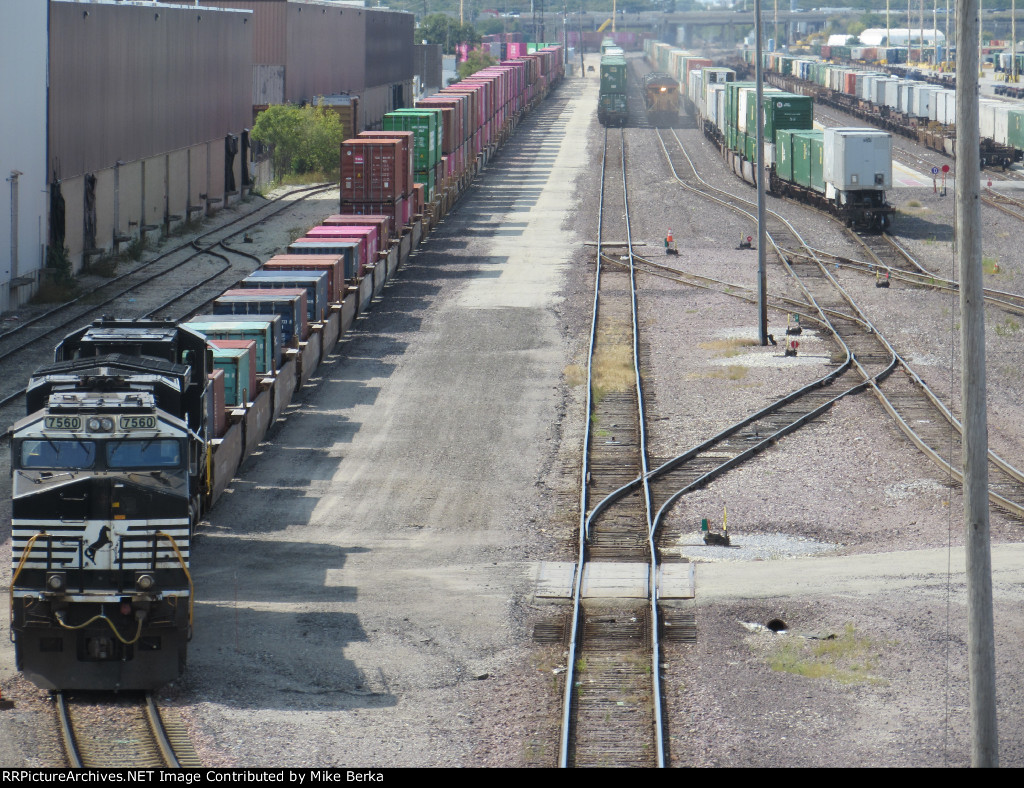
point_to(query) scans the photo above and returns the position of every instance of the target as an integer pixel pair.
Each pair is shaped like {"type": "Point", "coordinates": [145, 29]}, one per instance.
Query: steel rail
{"type": "Point", "coordinates": [32, 321]}
{"type": "Point", "coordinates": [570, 669]}
{"type": "Point", "coordinates": [1014, 473]}
{"type": "Point", "coordinates": [156, 725]}
{"type": "Point", "coordinates": [67, 733]}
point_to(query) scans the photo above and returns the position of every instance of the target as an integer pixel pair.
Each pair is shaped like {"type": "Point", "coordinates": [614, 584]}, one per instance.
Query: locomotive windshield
{"type": "Point", "coordinates": [53, 454]}
{"type": "Point", "coordinates": [161, 453]}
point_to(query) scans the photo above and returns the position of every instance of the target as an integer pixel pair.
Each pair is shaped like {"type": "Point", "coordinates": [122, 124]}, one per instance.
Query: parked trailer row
{"type": "Point", "coordinates": [138, 426]}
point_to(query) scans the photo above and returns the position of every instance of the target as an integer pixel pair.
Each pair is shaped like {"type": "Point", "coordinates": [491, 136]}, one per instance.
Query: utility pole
{"type": "Point", "coordinates": [935, 33]}
{"type": "Point", "coordinates": [948, 50]}
{"type": "Point", "coordinates": [967, 232]}
{"type": "Point", "coordinates": [1013, 39]}
{"type": "Point", "coordinates": [888, 32]}
{"type": "Point", "coordinates": [920, 18]}
{"type": "Point", "coordinates": [762, 275]}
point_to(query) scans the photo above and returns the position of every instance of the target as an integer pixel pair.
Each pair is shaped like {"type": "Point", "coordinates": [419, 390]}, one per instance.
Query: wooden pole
{"type": "Point", "coordinates": [762, 275]}
{"type": "Point", "coordinates": [981, 640]}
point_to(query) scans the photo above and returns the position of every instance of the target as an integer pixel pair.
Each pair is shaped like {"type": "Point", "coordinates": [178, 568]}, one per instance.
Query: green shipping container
{"type": "Point", "coordinates": [782, 111]}
{"type": "Point", "coordinates": [804, 156]}
{"type": "Point", "coordinates": [423, 125]}
{"type": "Point", "coordinates": [732, 103]}
{"type": "Point", "coordinates": [784, 154]}
{"type": "Point", "coordinates": [1015, 128]}
{"type": "Point", "coordinates": [818, 161]}
{"type": "Point", "coordinates": [613, 74]}
{"type": "Point", "coordinates": [426, 177]}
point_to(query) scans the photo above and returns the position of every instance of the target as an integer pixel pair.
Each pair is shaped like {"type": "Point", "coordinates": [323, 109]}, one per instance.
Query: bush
{"type": "Point", "coordinates": [301, 139]}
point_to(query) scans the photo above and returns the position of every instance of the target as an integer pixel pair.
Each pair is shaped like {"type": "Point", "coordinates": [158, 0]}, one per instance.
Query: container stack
{"type": "Point", "coordinates": [375, 178]}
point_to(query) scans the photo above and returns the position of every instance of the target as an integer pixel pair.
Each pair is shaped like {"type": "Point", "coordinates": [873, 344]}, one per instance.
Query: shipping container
{"type": "Point", "coordinates": [371, 169]}
{"type": "Point", "coordinates": [237, 359]}
{"type": "Point", "coordinates": [333, 266]}
{"type": "Point", "coordinates": [264, 330]}
{"type": "Point", "coordinates": [217, 403]}
{"type": "Point", "coordinates": [289, 304]}
{"type": "Point", "coordinates": [385, 227]}
{"type": "Point", "coordinates": [399, 211]}
{"type": "Point", "coordinates": [407, 154]}
{"type": "Point", "coordinates": [313, 282]}
{"type": "Point", "coordinates": [858, 159]}
{"type": "Point", "coordinates": [365, 234]}
{"type": "Point", "coordinates": [349, 251]}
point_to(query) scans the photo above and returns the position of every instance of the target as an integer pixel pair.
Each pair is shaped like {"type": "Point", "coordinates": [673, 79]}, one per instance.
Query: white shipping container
{"type": "Point", "coordinates": [715, 92]}
{"type": "Point", "coordinates": [945, 107]}
{"type": "Point", "coordinates": [857, 159]}
{"type": "Point", "coordinates": [720, 111]}
{"type": "Point", "coordinates": [892, 94]}
{"type": "Point", "coordinates": [922, 100]}
{"type": "Point", "coordinates": [694, 91]}
{"type": "Point", "coordinates": [1002, 124]}
{"type": "Point", "coordinates": [987, 119]}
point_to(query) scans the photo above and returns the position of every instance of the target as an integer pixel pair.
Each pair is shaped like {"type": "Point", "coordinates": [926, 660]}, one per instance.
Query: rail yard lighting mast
{"type": "Point", "coordinates": [762, 276]}
{"type": "Point", "coordinates": [980, 636]}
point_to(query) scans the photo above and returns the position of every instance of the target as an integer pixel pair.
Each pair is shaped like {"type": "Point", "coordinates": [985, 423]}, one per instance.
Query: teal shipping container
{"type": "Point", "coordinates": [782, 111]}
{"type": "Point", "coordinates": [235, 363]}
{"type": "Point", "coordinates": [818, 161]}
{"type": "Point", "coordinates": [613, 74]}
{"type": "Point", "coordinates": [265, 331]}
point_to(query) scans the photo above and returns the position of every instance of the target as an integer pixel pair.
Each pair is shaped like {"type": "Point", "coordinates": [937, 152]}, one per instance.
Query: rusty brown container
{"type": "Point", "coordinates": [332, 265]}
{"type": "Point", "coordinates": [371, 170]}
{"type": "Point", "coordinates": [384, 224]}
{"type": "Point", "coordinates": [219, 402]}
{"type": "Point", "coordinates": [408, 152]}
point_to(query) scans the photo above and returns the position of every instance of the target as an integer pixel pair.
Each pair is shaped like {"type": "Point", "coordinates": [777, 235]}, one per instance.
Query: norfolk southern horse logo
{"type": "Point", "coordinates": [103, 541]}
{"type": "Point", "coordinates": [102, 545]}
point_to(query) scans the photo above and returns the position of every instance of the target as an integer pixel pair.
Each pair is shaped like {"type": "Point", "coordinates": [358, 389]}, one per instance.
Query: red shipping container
{"type": "Point", "coordinates": [241, 344]}
{"type": "Point", "coordinates": [450, 119]}
{"type": "Point", "coordinates": [220, 403]}
{"type": "Point", "coordinates": [397, 210]}
{"type": "Point", "coordinates": [408, 153]}
{"type": "Point", "coordinates": [850, 84]}
{"type": "Point", "coordinates": [371, 169]}
{"type": "Point", "coordinates": [334, 266]}
{"type": "Point", "coordinates": [366, 233]}
{"type": "Point", "coordinates": [384, 225]}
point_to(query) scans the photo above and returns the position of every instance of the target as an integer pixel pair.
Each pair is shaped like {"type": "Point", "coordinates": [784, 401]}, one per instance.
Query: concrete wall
{"type": "Point", "coordinates": [23, 45]}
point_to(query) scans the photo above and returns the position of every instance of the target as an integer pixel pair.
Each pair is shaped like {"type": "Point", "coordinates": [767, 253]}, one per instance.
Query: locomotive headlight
{"type": "Point", "coordinates": [93, 425]}
{"type": "Point", "coordinates": [100, 424]}
{"type": "Point", "coordinates": [56, 581]}
{"type": "Point", "coordinates": [107, 424]}
{"type": "Point", "coordinates": [144, 581]}
{"type": "Point", "coordinates": [664, 90]}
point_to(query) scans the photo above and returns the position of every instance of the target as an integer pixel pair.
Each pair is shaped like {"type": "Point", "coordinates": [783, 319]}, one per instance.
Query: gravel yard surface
{"type": "Point", "coordinates": [366, 600]}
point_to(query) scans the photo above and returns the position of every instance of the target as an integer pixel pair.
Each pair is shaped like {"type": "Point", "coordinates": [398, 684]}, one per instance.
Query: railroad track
{"type": "Point", "coordinates": [127, 732]}
{"type": "Point", "coordinates": [18, 351]}
{"type": "Point", "coordinates": [612, 706]}
{"type": "Point", "coordinates": [918, 411]}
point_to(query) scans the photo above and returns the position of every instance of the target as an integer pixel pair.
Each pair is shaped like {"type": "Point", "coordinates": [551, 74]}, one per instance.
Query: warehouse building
{"type": "Point", "coordinates": [303, 49]}
{"type": "Point", "coordinates": [149, 105]}
{"type": "Point", "coordinates": [23, 206]}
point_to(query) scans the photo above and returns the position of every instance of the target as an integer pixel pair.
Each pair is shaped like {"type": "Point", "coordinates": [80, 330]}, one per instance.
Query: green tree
{"type": "Point", "coordinates": [477, 60]}
{"type": "Point", "coordinates": [301, 139]}
{"type": "Point", "coordinates": [446, 31]}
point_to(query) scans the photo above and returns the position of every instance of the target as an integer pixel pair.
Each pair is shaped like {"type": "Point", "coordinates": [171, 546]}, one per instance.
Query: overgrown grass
{"type": "Point", "coordinates": [730, 347]}
{"type": "Point", "coordinates": [51, 292]}
{"type": "Point", "coordinates": [848, 658]}
{"type": "Point", "coordinates": [1007, 328]}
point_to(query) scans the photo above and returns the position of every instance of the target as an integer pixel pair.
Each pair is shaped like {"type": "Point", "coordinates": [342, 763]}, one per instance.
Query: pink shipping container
{"type": "Point", "coordinates": [515, 50]}
{"type": "Point", "coordinates": [334, 267]}
{"type": "Point", "coordinates": [220, 405]}
{"type": "Point", "coordinates": [385, 227]}
{"type": "Point", "coordinates": [371, 169]}
{"type": "Point", "coordinates": [408, 153]}
{"type": "Point", "coordinates": [365, 234]}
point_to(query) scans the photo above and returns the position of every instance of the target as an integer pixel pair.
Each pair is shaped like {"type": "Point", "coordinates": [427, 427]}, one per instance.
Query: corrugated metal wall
{"type": "Point", "coordinates": [389, 56]}
{"type": "Point", "coordinates": [129, 82]}
{"type": "Point", "coordinates": [326, 51]}
{"type": "Point", "coordinates": [427, 63]}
